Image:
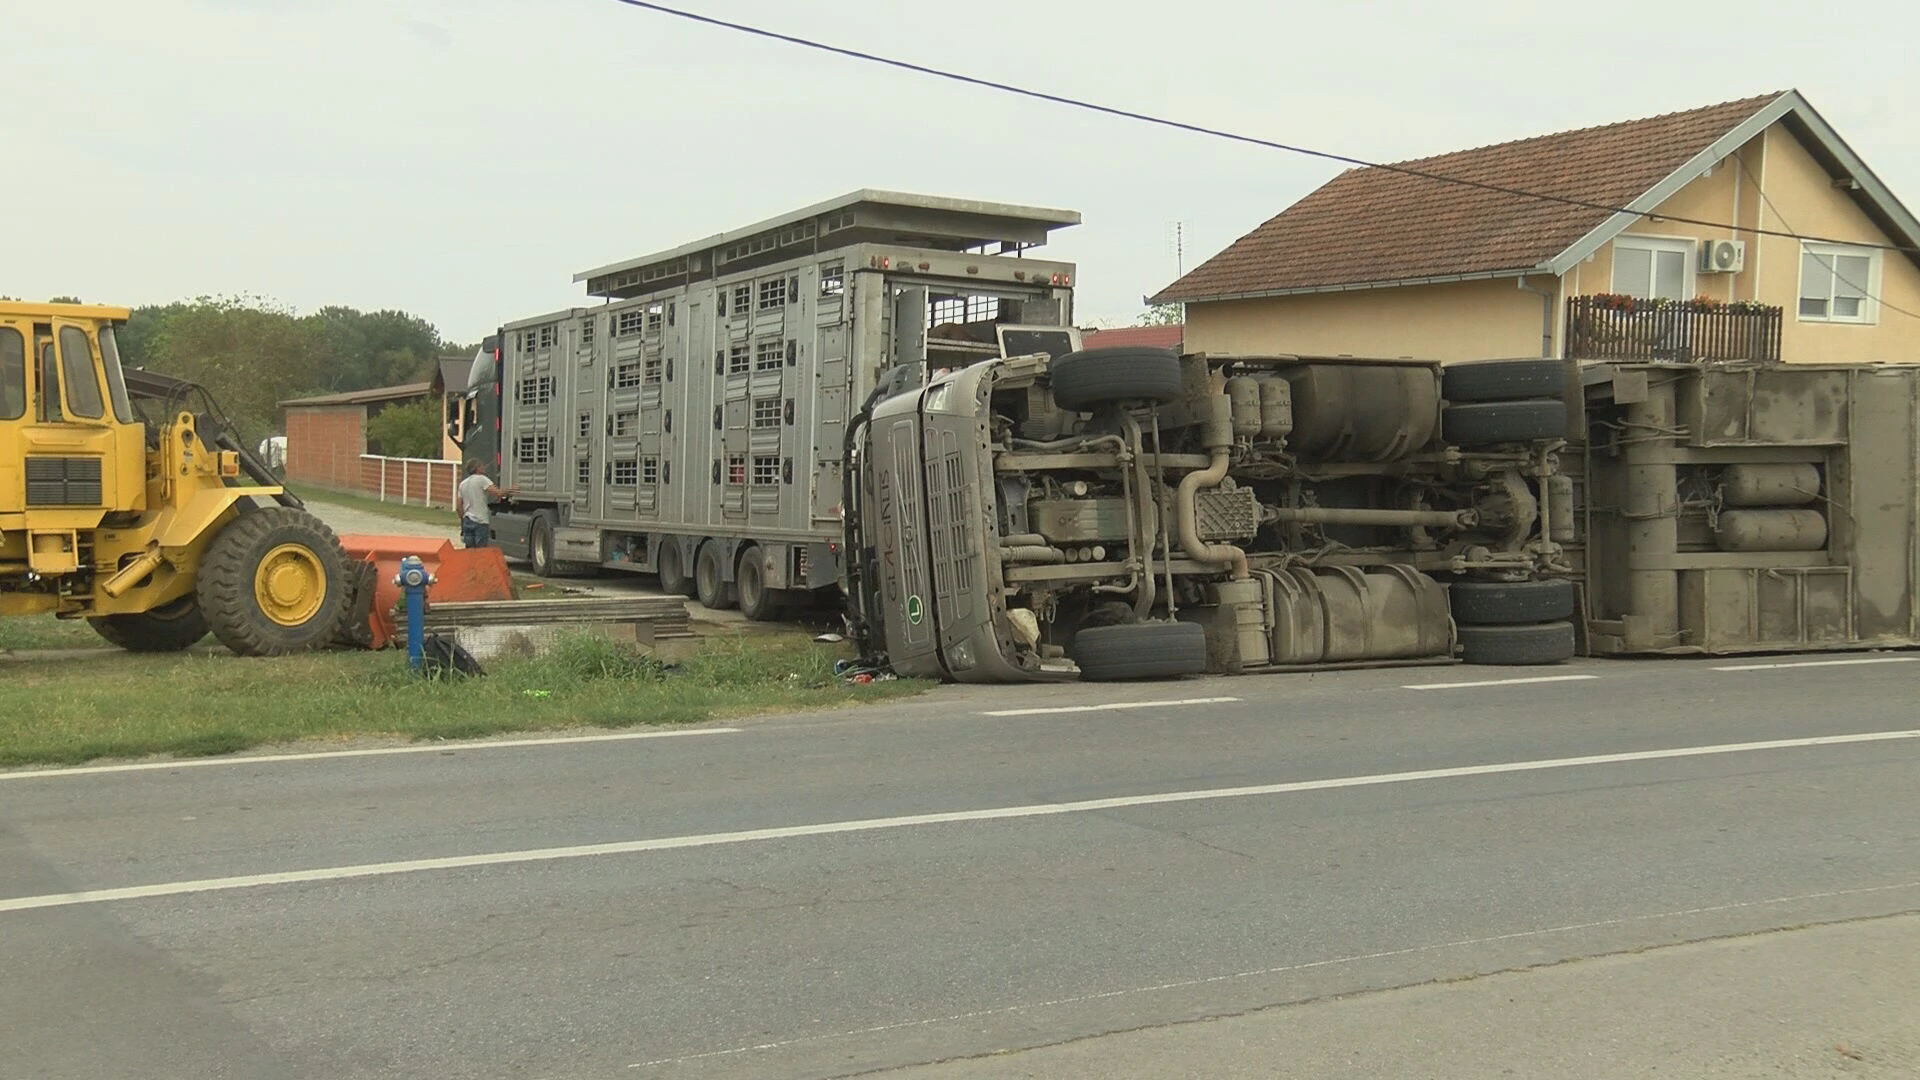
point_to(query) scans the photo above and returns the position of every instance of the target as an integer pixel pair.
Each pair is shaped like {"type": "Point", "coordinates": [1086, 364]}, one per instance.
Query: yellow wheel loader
{"type": "Point", "coordinates": [128, 500]}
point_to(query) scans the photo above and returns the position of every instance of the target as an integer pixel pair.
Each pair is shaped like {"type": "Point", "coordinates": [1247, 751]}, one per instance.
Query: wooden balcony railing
{"type": "Point", "coordinates": [1627, 328]}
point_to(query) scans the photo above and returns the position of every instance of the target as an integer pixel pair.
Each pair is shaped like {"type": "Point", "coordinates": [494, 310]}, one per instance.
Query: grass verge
{"type": "Point", "coordinates": [422, 514]}
{"type": "Point", "coordinates": [47, 632]}
{"type": "Point", "coordinates": [123, 705]}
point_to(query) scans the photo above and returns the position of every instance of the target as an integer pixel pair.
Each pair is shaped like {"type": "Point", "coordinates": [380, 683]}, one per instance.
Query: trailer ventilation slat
{"type": "Point", "coordinates": [63, 481]}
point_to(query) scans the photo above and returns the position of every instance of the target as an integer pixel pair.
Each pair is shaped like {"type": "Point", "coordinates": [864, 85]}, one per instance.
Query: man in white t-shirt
{"type": "Point", "coordinates": [476, 520]}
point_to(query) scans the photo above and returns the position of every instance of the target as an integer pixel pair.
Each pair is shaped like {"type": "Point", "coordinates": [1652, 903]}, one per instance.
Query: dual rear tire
{"type": "Point", "coordinates": [1514, 623]}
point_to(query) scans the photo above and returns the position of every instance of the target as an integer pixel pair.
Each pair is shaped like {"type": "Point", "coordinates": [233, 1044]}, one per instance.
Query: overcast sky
{"type": "Point", "coordinates": [462, 159]}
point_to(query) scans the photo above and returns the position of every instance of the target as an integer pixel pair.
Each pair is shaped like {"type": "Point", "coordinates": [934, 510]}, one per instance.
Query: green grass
{"type": "Point", "coordinates": [122, 705]}
{"type": "Point", "coordinates": [352, 501]}
{"type": "Point", "coordinates": [46, 632]}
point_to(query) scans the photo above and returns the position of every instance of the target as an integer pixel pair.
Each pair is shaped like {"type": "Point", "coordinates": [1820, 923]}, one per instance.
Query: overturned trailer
{"type": "Point", "coordinates": [1749, 507]}
{"type": "Point", "coordinates": [1130, 514]}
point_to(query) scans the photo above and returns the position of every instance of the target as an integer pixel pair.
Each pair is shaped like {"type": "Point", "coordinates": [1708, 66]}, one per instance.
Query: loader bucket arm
{"type": "Point", "coordinates": [172, 392]}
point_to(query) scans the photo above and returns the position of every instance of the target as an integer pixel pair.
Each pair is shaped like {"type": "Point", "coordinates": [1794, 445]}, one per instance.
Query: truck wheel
{"type": "Point", "coordinates": [273, 581]}
{"type": "Point", "coordinates": [1092, 377]}
{"type": "Point", "coordinates": [1541, 643]}
{"type": "Point", "coordinates": [1504, 603]}
{"type": "Point", "coordinates": [1503, 380]}
{"type": "Point", "coordinates": [167, 628]}
{"type": "Point", "coordinates": [540, 545]}
{"type": "Point", "coordinates": [709, 584]}
{"type": "Point", "coordinates": [673, 576]}
{"type": "Point", "coordinates": [540, 551]}
{"type": "Point", "coordinates": [1147, 650]}
{"type": "Point", "coordinates": [757, 602]}
{"type": "Point", "coordinates": [1485, 423]}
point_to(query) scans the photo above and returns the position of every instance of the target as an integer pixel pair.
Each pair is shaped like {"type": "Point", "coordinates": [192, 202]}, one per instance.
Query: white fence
{"type": "Point", "coordinates": [410, 481]}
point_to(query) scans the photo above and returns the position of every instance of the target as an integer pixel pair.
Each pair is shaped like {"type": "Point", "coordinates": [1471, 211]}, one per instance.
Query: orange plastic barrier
{"type": "Point", "coordinates": [460, 574]}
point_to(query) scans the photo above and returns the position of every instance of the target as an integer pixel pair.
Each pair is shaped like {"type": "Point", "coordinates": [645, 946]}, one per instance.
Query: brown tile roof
{"type": "Point", "coordinates": [1373, 225]}
{"type": "Point", "coordinates": [1155, 337]}
{"type": "Point", "coordinates": [365, 397]}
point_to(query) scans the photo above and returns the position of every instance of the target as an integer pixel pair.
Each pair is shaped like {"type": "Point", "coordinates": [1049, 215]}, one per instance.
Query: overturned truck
{"type": "Point", "coordinates": [1129, 513]}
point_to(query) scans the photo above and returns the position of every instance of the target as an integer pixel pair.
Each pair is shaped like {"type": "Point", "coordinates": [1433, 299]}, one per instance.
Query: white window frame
{"type": "Point", "coordinates": [1869, 304]}
{"type": "Point", "coordinates": [1689, 255]}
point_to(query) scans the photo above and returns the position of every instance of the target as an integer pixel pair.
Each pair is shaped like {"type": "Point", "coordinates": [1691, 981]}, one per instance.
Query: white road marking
{"type": "Point", "coordinates": [860, 825]}
{"type": "Point", "coordinates": [1283, 969]}
{"type": "Point", "coordinates": [1498, 682]}
{"type": "Point", "coordinates": [1822, 663]}
{"type": "Point", "coordinates": [382, 751]}
{"type": "Point", "coordinates": [1111, 705]}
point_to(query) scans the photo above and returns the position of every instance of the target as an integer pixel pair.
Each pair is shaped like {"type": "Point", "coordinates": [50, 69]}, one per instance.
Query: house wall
{"type": "Point", "coordinates": [324, 444]}
{"type": "Point", "coordinates": [1801, 198]}
{"type": "Point", "coordinates": [1460, 321]}
{"type": "Point", "coordinates": [1805, 201]}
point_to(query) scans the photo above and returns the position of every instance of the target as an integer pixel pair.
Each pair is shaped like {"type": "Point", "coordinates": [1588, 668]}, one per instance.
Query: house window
{"type": "Point", "coordinates": [586, 425]}
{"type": "Point", "coordinates": [583, 472]}
{"type": "Point", "coordinates": [652, 371]}
{"type": "Point", "coordinates": [833, 279]}
{"type": "Point", "coordinates": [656, 317]}
{"type": "Point", "coordinates": [1652, 269]}
{"type": "Point", "coordinates": [769, 355]}
{"type": "Point", "coordinates": [1837, 283]}
{"type": "Point", "coordinates": [766, 471]}
{"type": "Point", "coordinates": [586, 333]}
{"type": "Point", "coordinates": [650, 471]}
{"type": "Point", "coordinates": [736, 469]}
{"type": "Point", "coordinates": [626, 376]}
{"type": "Point", "coordinates": [766, 412]}
{"type": "Point", "coordinates": [625, 424]}
{"type": "Point", "coordinates": [742, 299]}
{"type": "Point", "coordinates": [625, 473]}
{"type": "Point", "coordinates": [738, 358]}
{"type": "Point", "coordinates": [546, 337]}
{"type": "Point", "coordinates": [629, 322]}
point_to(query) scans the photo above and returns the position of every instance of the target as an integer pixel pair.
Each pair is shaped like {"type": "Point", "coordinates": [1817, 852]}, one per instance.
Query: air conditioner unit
{"type": "Point", "coordinates": [1723, 256]}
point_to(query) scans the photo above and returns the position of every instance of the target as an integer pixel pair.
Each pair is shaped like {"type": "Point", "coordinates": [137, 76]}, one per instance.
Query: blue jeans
{"type": "Point", "coordinates": [474, 534]}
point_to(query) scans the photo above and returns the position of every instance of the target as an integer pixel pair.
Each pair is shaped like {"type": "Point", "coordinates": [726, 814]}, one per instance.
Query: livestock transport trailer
{"type": "Point", "coordinates": [694, 424]}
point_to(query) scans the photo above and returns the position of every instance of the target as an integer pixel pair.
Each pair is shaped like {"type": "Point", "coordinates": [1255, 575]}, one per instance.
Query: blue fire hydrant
{"type": "Point", "coordinates": [413, 580]}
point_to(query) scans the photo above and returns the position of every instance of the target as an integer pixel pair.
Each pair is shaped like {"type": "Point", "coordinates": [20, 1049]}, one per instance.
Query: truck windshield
{"type": "Point", "coordinates": [116, 379]}
{"type": "Point", "coordinates": [13, 374]}
{"type": "Point", "coordinates": [76, 370]}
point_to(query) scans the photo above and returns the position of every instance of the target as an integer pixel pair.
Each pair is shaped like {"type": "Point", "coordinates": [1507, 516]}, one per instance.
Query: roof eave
{"type": "Point", "coordinates": [1163, 296]}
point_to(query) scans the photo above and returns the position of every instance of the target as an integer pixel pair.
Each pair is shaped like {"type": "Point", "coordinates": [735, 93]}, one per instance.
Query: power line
{"type": "Point", "coordinates": [1217, 133]}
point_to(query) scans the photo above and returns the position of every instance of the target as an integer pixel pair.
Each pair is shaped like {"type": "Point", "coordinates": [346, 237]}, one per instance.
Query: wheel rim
{"type": "Point", "coordinates": [538, 554]}
{"type": "Point", "coordinates": [290, 585]}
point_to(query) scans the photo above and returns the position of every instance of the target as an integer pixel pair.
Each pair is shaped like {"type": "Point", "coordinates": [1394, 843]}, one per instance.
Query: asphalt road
{"type": "Point", "coordinates": [970, 873]}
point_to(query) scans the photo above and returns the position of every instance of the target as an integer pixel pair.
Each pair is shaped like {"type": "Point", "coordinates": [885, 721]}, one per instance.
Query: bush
{"type": "Point", "coordinates": [411, 430]}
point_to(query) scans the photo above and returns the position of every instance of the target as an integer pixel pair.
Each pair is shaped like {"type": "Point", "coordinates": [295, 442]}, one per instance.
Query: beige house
{"type": "Point", "coordinates": [1382, 263]}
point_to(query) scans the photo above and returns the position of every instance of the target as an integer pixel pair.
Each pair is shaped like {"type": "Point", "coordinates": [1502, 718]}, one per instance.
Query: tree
{"type": "Point", "coordinates": [409, 430]}
{"type": "Point", "coordinates": [1163, 315]}
{"type": "Point", "coordinates": [66, 300]}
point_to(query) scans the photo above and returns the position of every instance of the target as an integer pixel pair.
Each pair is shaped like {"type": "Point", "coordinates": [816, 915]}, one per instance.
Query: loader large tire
{"type": "Point", "coordinates": [167, 628]}
{"type": "Point", "coordinates": [1146, 650]}
{"type": "Point", "coordinates": [1091, 377]}
{"type": "Point", "coordinates": [274, 581]}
